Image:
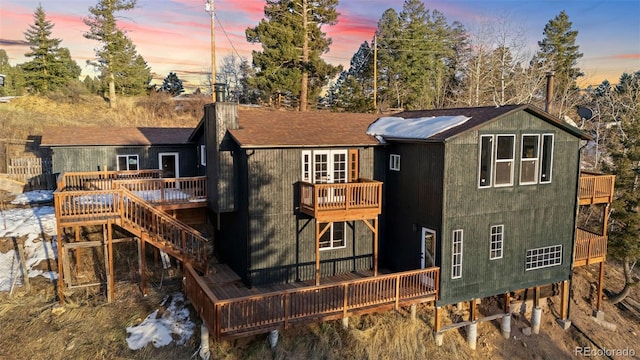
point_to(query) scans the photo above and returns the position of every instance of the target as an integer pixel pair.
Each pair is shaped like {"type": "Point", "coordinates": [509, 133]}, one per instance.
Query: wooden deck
{"type": "Point", "coordinates": [590, 248]}
{"type": "Point", "coordinates": [341, 201]}
{"type": "Point", "coordinates": [231, 310]}
{"type": "Point", "coordinates": [596, 188]}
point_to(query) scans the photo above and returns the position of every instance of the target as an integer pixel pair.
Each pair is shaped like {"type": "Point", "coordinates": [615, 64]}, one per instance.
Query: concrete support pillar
{"type": "Point", "coordinates": [204, 352]}
{"type": "Point", "coordinates": [439, 338]}
{"type": "Point", "coordinates": [536, 317]}
{"type": "Point", "coordinates": [273, 339]}
{"type": "Point", "coordinates": [413, 311]}
{"type": "Point", "coordinates": [506, 326]}
{"type": "Point", "coordinates": [345, 323]}
{"type": "Point", "coordinates": [472, 335]}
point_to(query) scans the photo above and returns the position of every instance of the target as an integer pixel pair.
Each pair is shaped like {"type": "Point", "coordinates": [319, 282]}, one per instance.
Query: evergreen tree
{"type": "Point", "coordinates": [172, 85]}
{"type": "Point", "coordinates": [5, 69]}
{"type": "Point", "coordinates": [51, 67]}
{"type": "Point", "coordinates": [559, 53]}
{"type": "Point", "coordinates": [353, 89]}
{"type": "Point", "coordinates": [116, 56]}
{"type": "Point", "coordinates": [293, 41]}
{"type": "Point", "coordinates": [624, 150]}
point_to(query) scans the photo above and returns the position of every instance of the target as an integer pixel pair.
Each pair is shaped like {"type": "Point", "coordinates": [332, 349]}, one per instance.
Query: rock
{"type": "Point", "coordinates": [526, 331]}
{"type": "Point", "coordinates": [57, 311]}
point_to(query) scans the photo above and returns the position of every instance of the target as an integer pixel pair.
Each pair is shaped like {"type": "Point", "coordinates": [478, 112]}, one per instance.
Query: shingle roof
{"type": "Point", "coordinates": [94, 135]}
{"type": "Point", "coordinates": [260, 128]}
{"type": "Point", "coordinates": [481, 115]}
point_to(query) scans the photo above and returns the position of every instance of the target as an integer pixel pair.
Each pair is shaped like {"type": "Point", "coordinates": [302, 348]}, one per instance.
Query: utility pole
{"type": "Point", "coordinates": [209, 7]}
{"type": "Point", "coordinates": [375, 73]}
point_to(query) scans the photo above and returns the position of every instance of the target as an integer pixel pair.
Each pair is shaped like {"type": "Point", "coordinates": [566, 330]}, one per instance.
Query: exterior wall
{"type": "Point", "coordinates": [281, 241]}
{"type": "Point", "coordinates": [220, 117]}
{"type": "Point", "coordinates": [533, 216]}
{"type": "Point", "coordinates": [95, 158]}
{"type": "Point", "coordinates": [413, 199]}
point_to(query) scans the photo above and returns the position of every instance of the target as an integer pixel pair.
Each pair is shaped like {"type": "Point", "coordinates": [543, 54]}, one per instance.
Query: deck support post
{"type": "Point", "coordinates": [473, 310]}
{"type": "Point", "coordinates": [204, 342]}
{"type": "Point", "coordinates": [564, 321]}
{"type": "Point", "coordinates": [472, 335]}
{"type": "Point", "coordinates": [108, 259]}
{"type": "Point", "coordinates": [60, 281]}
{"type": "Point", "coordinates": [413, 312]}
{"type": "Point", "coordinates": [600, 285]}
{"type": "Point", "coordinates": [375, 247]}
{"type": "Point", "coordinates": [142, 262]}
{"type": "Point", "coordinates": [345, 323]}
{"type": "Point", "coordinates": [317, 274]}
{"type": "Point", "coordinates": [505, 327]}
{"type": "Point", "coordinates": [273, 339]}
{"type": "Point", "coordinates": [437, 324]}
{"type": "Point", "coordinates": [536, 317]}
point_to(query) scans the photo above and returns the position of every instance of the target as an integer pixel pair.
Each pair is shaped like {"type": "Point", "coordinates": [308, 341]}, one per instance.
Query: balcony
{"type": "Point", "coordinates": [595, 188]}
{"type": "Point", "coordinates": [341, 201]}
{"type": "Point", "coordinates": [591, 248]}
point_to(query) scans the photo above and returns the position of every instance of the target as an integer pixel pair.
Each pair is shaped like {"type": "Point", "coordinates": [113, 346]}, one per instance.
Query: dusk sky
{"type": "Point", "coordinates": [175, 35]}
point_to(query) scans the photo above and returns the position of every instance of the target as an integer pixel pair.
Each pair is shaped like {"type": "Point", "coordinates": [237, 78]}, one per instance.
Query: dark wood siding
{"type": "Point", "coordinates": [221, 191]}
{"type": "Point", "coordinates": [533, 216]}
{"type": "Point", "coordinates": [413, 199]}
{"type": "Point", "coordinates": [95, 158]}
{"type": "Point", "coordinates": [282, 241]}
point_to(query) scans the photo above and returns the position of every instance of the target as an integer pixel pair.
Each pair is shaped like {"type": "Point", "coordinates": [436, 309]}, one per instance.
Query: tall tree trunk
{"type": "Point", "coordinates": [627, 282]}
{"type": "Point", "coordinates": [112, 92]}
{"type": "Point", "coordinates": [305, 60]}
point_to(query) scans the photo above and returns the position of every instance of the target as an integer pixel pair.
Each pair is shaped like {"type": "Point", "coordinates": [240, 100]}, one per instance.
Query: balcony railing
{"type": "Point", "coordinates": [357, 200]}
{"type": "Point", "coordinates": [596, 189]}
{"type": "Point", "coordinates": [590, 248]}
{"type": "Point", "coordinates": [254, 314]}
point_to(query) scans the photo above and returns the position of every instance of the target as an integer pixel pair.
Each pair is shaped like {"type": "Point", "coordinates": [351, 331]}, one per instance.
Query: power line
{"type": "Point", "coordinates": [228, 38]}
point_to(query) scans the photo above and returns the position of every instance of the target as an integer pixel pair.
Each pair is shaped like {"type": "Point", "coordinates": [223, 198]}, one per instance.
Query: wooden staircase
{"type": "Point", "coordinates": [127, 210]}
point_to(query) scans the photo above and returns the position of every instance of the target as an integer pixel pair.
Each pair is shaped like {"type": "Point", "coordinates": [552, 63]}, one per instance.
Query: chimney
{"type": "Point", "coordinates": [220, 117]}
{"type": "Point", "coordinates": [220, 91]}
{"type": "Point", "coordinates": [548, 101]}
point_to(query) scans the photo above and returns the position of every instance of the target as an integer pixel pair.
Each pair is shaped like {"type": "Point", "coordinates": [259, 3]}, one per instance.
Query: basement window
{"type": "Point", "coordinates": [333, 238]}
{"type": "Point", "coordinates": [543, 257]}
{"type": "Point", "coordinates": [127, 162]}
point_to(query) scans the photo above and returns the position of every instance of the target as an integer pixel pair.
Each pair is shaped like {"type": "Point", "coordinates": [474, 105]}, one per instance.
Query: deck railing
{"type": "Point", "coordinates": [101, 180]}
{"type": "Point", "coordinates": [163, 191]}
{"type": "Point", "coordinates": [134, 214]}
{"type": "Point", "coordinates": [596, 189]}
{"type": "Point", "coordinates": [260, 313]}
{"type": "Point", "coordinates": [364, 194]}
{"type": "Point", "coordinates": [590, 247]}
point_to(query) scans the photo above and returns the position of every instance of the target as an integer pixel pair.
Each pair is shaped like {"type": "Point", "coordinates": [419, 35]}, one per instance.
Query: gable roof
{"type": "Point", "coordinates": [478, 116]}
{"type": "Point", "coordinates": [114, 136]}
{"type": "Point", "coordinates": [261, 128]}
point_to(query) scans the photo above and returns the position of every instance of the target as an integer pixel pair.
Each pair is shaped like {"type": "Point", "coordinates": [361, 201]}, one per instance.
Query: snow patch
{"type": "Point", "coordinates": [413, 128]}
{"type": "Point", "coordinates": [173, 324]}
{"type": "Point", "coordinates": [33, 197]}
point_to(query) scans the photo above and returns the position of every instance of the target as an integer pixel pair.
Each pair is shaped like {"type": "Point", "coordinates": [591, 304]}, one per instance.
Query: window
{"type": "Point", "coordinates": [203, 155]}
{"type": "Point", "coordinates": [329, 166]}
{"type": "Point", "coordinates": [306, 166]}
{"type": "Point", "coordinates": [127, 162]}
{"type": "Point", "coordinates": [486, 160]}
{"type": "Point", "coordinates": [546, 160]}
{"type": "Point", "coordinates": [543, 257]}
{"type": "Point", "coordinates": [497, 233]}
{"type": "Point", "coordinates": [333, 238]}
{"type": "Point", "coordinates": [456, 255]}
{"type": "Point", "coordinates": [504, 160]}
{"type": "Point", "coordinates": [529, 159]}
{"type": "Point", "coordinates": [394, 162]}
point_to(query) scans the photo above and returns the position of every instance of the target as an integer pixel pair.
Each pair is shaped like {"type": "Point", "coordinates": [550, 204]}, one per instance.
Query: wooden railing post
{"type": "Point", "coordinates": [345, 304]}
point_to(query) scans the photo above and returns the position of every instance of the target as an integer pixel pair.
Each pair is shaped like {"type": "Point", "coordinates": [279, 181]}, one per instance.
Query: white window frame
{"type": "Point", "coordinates": [456, 253]}
{"type": "Point", "coordinates": [543, 149]}
{"type": "Point", "coordinates": [535, 159]}
{"type": "Point", "coordinates": [127, 156]}
{"type": "Point", "coordinates": [203, 155]}
{"type": "Point", "coordinates": [394, 162]}
{"type": "Point", "coordinates": [496, 242]}
{"type": "Point", "coordinates": [510, 161]}
{"type": "Point", "coordinates": [489, 173]}
{"type": "Point", "coordinates": [332, 240]}
{"type": "Point", "coordinates": [306, 165]}
{"type": "Point", "coordinates": [543, 257]}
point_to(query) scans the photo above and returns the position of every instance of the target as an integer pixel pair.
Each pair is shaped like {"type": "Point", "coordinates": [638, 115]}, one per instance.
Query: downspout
{"type": "Point", "coordinates": [575, 226]}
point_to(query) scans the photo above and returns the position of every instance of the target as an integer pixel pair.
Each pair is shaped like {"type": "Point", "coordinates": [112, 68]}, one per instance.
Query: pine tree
{"type": "Point", "coordinates": [116, 57]}
{"type": "Point", "coordinates": [559, 53]}
{"type": "Point", "coordinates": [51, 67]}
{"type": "Point", "coordinates": [353, 89]}
{"type": "Point", "coordinates": [292, 41]}
{"type": "Point", "coordinates": [172, 85]}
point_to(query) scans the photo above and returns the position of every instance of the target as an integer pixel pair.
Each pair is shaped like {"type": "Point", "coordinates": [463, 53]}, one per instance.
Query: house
{"type": "Point", "coordinates": [94, 148]}
{"type": "Point", "coordinates": [262, 165]}
{"type": "Point", "coordinates": [488, 194]}
{"type": "Point", "coordinates": [326, 215]}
